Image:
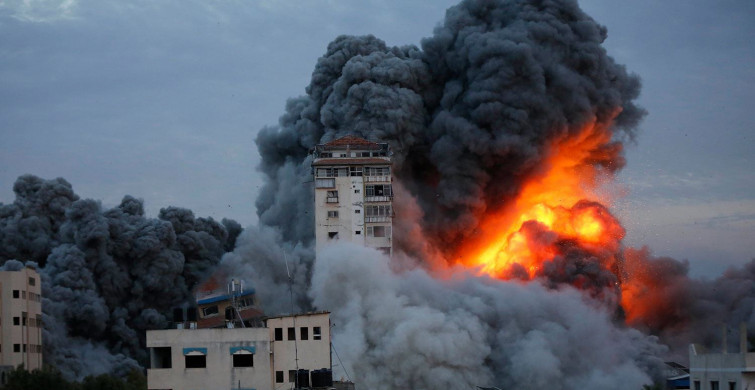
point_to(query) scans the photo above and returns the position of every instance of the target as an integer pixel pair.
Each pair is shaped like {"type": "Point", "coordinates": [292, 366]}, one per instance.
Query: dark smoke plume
{"type": "Point", "coordinates": [682, 310]}
{"type": "Point", "coordinates": [469, 116]}
{"type": "Point", "coordinates": [108, 274]}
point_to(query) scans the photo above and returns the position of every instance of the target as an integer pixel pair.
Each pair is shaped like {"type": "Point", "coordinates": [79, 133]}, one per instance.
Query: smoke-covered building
{"type": "Point", "coordinates": [242, 358]}
{"type": "Point", "coordinates": [724, 370]}
{"type": "Point", "coordinates": [218, 306]}
{"type": "Point", "coordinates": [353, 193]}
{"type": "Point", "coordinates": [21, 316]}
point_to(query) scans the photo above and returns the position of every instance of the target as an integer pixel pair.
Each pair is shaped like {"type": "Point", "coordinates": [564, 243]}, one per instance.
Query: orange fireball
{"type": "Point", "coordinates": [558, 204]}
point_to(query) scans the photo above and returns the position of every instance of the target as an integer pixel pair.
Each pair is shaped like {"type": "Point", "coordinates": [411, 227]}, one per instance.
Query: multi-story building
{"type": "Point", "coordinates": [299, 342]}
{"type": "Point", "coordinates": [724, 370]}
{"type": "Point", "coordinates": [21, 318]}
{"type": "Point", "coordinates": [240, 358]}
{"type": "Point", "coordinates": [353, 193]}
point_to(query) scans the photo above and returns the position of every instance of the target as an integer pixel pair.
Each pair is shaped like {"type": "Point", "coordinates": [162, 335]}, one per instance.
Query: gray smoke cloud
{"type": "Point", "coordinates": [107, 274]}
{"type": "Point", "coordinates": [411, 330]}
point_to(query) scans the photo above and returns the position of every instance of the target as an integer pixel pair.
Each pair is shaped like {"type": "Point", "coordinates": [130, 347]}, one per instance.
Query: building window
{"type": "Point", "coordinates": [292, 333]}
{"type": "Point", "coordinates": [332, 214]}
{"type": "Point", "coordinates": [697, 385]}
{"type": "Point", "coordinates": [379, 211]}
{"type": "Point", "coordinates": [356, 191]}
{"type": "Point", "coordinates": [16, 347]}
{"type": "Point", "coordinates": [16, 320]}
{"type": "Point", "coordinates": [714, 385]}
{"type": "Point", "coordinates": [357, 211]}
{"type": "Point", "coordinates": [378, 190]}
{"type": "Point", "coordinates": [278, 334]}
{"type": "Point", "coordinates": [732, 385]}
{"type": "Point", "coordinates": [333, 235]}
{"type": "Point", "coordinates": [358, 232]}
{"type": "Point", "coordinates": [331, 172]}
{"type": "Point", "coordinates": [243, 360]}
{"type": "Point", "coordinates": [32, 281]}
{"type": "Point", "coordinates": [316, 333]}
{"type": "Point", "coordinates": [377, 171]}
{"type": "Point", "coordinates": [195, 361]}
{"type": "Point", "coordinates": [210, 311]}
{"type": "Point", "coordinates": [16, 294]}
{"type": "Point", "coordinates": [379, 231]}
{"type": "Point", "coordinates": [355, 171]}
{"type": "Point", "coordinates": [304, 332]}
{"type": "Point", "coordinates": [332, 197]}
{"type": "Point", "coordinates": [23, 294]}
{"type": "Point", "coordinates": [325, 183]}
{"type": "Point", "coordinates": [160, 357]}
{"type": "Point", "coordinates": [291, 376]}
{"type": "Point", "coordinates": [23, 318]}
{"type": "Point", "coordinates": [246, 302]}
{"type": "Point", "coordinates": [279, 377]}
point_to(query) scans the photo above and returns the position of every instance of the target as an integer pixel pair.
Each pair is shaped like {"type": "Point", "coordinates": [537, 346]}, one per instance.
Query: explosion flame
{"type": "Point", "coordinates": [560, 203]}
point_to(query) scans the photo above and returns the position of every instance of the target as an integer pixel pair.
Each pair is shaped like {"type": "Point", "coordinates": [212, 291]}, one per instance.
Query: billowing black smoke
{"type": "Point", "coordinates": [108, 274]}
{"type": "Point", "coordinates": [468, 116]}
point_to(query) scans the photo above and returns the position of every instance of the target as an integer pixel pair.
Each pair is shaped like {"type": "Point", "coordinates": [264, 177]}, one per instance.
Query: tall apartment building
{"type": "Point", "coordinates": [21, 318]}
{"type": "Point", "coordinates": [353, 193]}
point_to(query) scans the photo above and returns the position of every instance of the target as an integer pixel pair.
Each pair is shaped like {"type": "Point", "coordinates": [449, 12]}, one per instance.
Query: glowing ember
{"type": "Point", "coordinates": [558, 204]}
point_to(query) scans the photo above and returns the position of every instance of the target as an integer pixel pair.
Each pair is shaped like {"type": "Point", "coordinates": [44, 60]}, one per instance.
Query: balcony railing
{"type": "Point", "coordinates": [378, 198]}
{"type": "Point", "coordinates": [380, 218]}
{"type": "Point", "coordinates": [377, 179]}
{"type": "Point", "coordinates": [331, 200]}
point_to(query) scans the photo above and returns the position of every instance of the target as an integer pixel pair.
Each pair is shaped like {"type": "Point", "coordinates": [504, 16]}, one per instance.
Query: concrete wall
{"type": "Point", "coordinates": [312, 354]}
{"type": "Point", "coordinates": [219, 372]}
{"type": "Point", "coordinates": [722, 368]}
{"type": "Point", "coordinates": [21, 326]}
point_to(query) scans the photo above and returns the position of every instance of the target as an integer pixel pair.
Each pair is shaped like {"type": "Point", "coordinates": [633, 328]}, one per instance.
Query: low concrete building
{"type": "Point", "coordinates": [209, 359]}
{"type": "Point", "coordinates": [239, 358]}
{"type": "Point", "coordinates": [21, 318]}
{"type": "Point", "coordinates": [723, 370]}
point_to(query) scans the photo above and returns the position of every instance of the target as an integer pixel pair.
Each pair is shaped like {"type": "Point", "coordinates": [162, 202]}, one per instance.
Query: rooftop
{"type": "Point", "coordinates": [351, 141]}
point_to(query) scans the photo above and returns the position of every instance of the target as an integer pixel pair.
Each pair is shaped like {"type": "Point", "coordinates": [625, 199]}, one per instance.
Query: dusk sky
{"type": "Point", "coordinates": [162, 100]}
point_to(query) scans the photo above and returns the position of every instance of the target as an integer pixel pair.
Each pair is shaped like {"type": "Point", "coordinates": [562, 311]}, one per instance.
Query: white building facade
{"type": "Point", "coordinates": [353, 193]}
{"type": "Point", "coordinates": [21, 318]}
{"type": "Point", "coordinates": [722, 371]}
{"type": "Point", "coordinates": [239, 358]}
{"type": "Point", "coordinates": [299, 342]}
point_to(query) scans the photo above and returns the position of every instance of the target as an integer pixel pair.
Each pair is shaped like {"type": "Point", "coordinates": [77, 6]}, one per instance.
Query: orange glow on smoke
{"type": "Point", "coordinates": [560, 202]}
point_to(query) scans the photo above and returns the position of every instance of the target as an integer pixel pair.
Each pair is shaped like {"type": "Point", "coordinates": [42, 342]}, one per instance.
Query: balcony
{"type": "Point", "coordinates": [378, 218]}
{"type": "Point", "coordinates": [331, 200]}
{"type": "Point", "coordinates": [378, 198]}
{"type": "Point", "coordinates": [377, 179]}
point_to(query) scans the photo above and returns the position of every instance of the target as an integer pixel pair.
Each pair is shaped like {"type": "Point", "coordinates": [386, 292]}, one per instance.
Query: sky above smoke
{"type": "Point", "coordinates": [163, 102]}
